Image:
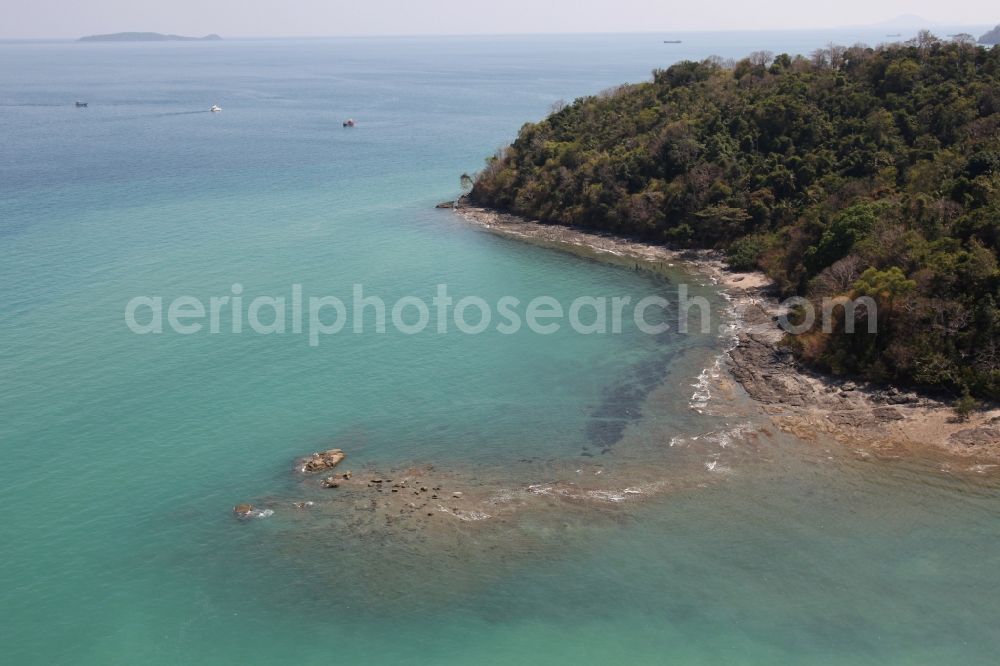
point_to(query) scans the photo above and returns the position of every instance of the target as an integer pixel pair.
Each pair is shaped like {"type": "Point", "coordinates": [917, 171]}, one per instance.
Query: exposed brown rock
{"type": "Point", "coordinates": [243, 510]}
{"type": "Point", "coordinates": [984, 435]}
{"type": "Point", "coordinates": [886, 414]}
{"type": "Point", "coordinates": [323, 460]}
{"type": "Point", "coordinates": [768, 373]}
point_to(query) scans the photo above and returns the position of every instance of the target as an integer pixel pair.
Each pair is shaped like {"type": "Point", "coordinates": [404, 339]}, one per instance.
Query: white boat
{"type": "Point", "coordinates": [215, 108]}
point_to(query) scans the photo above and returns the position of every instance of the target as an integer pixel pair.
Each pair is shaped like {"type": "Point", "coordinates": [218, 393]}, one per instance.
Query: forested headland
{"type": "Point", "coordinates": [855, 171]}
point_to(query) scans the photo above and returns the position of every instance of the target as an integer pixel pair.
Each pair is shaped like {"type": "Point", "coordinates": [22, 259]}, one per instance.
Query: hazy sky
{"type": "Point", "coordinates": [72, 18]}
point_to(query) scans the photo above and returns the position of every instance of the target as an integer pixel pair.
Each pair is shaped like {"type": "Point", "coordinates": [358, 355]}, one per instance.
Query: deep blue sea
{"type": "Point", "coordinates": [123, 454]}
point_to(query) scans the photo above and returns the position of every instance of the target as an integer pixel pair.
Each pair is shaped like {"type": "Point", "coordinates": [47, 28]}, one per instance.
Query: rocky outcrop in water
{"type": "Point", "coordinates": [768, 372]}
{"type": "Point", "coordinates": [243, 510]}
{"type": "Point", "coordinates": [318, 462]}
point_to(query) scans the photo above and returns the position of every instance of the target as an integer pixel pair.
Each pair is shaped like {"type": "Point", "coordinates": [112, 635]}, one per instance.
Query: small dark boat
{"type": "Point", "coordinates": [671, 41]}
{"type": "Point", "coordinates": [349, 122]}
{"type": "Point", "coordinates": [81, 105]}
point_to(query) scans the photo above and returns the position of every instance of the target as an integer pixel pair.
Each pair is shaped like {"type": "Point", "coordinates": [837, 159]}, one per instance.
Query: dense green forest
{"type": "Point", "coordinates": [855, 171]}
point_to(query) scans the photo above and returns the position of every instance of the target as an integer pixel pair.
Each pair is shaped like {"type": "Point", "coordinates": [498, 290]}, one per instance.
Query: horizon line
{"type": "Point", "coordinates": [929, 26]}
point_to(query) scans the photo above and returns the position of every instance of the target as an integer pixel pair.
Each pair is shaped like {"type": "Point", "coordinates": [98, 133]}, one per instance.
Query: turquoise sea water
{"type": "Point", "coordinates": [123, 454]}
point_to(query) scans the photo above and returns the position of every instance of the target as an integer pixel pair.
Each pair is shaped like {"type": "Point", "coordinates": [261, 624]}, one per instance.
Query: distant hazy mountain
{"type": "Point", "coordinates": [904, 22]}
{"type": "Point", "coordinates": [991, 38]}
{"type": "Point", "coordinates": [145, 37]}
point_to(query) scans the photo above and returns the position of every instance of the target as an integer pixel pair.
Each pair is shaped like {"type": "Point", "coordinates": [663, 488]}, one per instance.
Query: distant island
{"type": "Point", "coordinates": [992, 38]}
{"type": "Point", "coordinates": [146, 37]}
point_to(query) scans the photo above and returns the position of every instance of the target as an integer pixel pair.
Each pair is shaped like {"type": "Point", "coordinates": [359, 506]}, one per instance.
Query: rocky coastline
{"type": "Point", "coordinates": [878, 420]}
{"type": "Point", "coordinates": [865, 422]}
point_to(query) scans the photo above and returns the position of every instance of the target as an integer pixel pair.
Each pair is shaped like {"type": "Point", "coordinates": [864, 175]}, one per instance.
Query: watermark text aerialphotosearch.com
{"type": "Point", "coordinates": [318, 316]}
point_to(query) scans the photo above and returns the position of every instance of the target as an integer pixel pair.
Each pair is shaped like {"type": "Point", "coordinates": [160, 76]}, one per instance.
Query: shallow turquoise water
{"type": "Point", "coordinates": [122, 454]}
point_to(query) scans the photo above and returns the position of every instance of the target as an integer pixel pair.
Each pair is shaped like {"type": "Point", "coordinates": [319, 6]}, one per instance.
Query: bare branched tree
{"type": "Point", "coordinates": [988, 356]}
{"type": "Point", "coordinates": [835, 53]}
{"type": "Point", "coordinates": [838, 278]}
{"type": "Point", "coordinates": [761, 58]}
{"type": "Point", "coordinates": [948, 317]}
